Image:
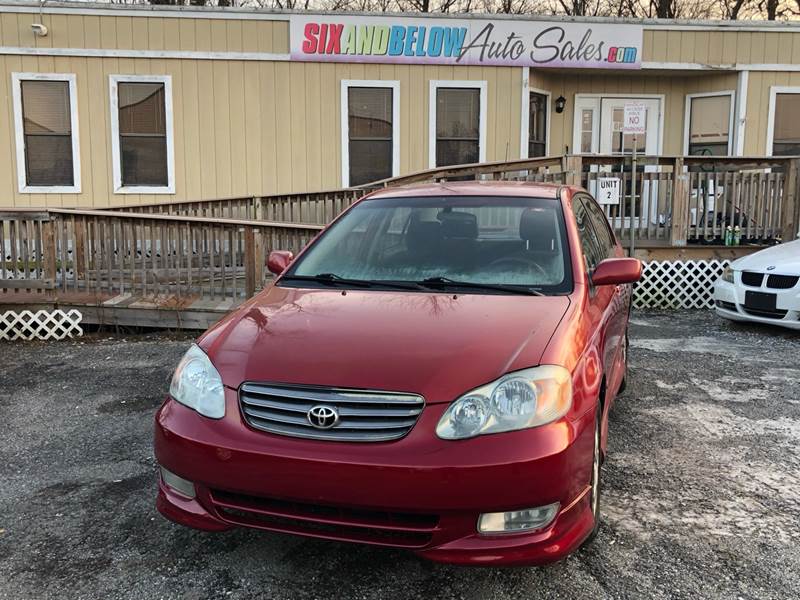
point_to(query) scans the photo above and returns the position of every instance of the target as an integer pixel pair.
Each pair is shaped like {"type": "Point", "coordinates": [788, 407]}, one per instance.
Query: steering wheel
{"type": "Point", "coordinates": [517, 261]}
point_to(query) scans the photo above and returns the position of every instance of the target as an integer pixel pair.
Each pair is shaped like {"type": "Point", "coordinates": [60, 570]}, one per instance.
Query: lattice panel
{"type": "Point", "coordinates": [41, 325]}
{"type": "Point", "coordinates": [678, 284]}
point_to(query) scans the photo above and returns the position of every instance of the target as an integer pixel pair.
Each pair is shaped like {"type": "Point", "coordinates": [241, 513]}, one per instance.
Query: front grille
{"type": "Point", "coordinates": [384, 528]}
{"type": "Point", "coordinates": [767, 314]}
{"type": "Point", "coordinates": [363, 416]}
{"type": "Point", "coordinates": [782, 282]}
{"type": "Point", "coordinates": [752, 279]}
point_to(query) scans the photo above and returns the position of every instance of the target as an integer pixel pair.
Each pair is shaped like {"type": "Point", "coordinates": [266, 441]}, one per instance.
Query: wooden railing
{"type": "Point", "coordinates": [105, 253]}
{"type": "Point", "coordinates": [321, 207]}
{"type": "Point", "coordinates": [679, 200]}
{"type": "Point", "coordinates": [177, 254]}
{"type": "Point", "coordinates": [315, 207]}
{"type": "Point", "coordinates": [545, 169]}
{"type": "Point", "coordinates": [694, 199]}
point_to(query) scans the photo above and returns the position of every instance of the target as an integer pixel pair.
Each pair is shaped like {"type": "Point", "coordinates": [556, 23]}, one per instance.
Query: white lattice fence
{"type": "Point", "coordinates": [40, 325]}
{"type": "Point", "coordinates": [678, 284]}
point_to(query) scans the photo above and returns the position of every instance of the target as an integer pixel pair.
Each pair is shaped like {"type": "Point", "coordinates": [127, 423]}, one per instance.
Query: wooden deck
{"type": "Point", "coordinates": [184, 265]}
{"type": "Point", "coordinates": [137, 269]}
{"type": "Point", "coordinates": [679, 200]}
{"type": "Point", "coordinates": [131, 310]}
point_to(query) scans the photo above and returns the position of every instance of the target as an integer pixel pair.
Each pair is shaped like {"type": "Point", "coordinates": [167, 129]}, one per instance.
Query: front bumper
{"type": "Point", "coordinates": [729, 303]}
{"type": "Point", "coordinates": [419, 492]}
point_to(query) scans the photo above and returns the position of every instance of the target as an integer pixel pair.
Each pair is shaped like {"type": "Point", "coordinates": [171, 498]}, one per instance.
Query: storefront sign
{"type": "Point", "coordinates": [608, 190]}
{"type": "Point", "coordinates": [517, 42]}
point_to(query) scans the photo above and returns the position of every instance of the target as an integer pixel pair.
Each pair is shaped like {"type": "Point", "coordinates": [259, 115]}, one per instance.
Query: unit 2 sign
{"type": "Point", "coordinates": [608, 190]}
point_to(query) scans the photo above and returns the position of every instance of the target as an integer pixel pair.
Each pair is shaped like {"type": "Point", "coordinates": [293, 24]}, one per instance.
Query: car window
{"type": "Point", "coordinates": [590, 245]}
{"type": "Point", "coordinates": [605, 237]}
{"type": "Point", "coordinates": [476, 239]}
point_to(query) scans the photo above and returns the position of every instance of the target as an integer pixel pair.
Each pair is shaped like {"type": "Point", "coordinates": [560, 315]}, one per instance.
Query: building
{"type": "Point", "coordinates": [122, 105]}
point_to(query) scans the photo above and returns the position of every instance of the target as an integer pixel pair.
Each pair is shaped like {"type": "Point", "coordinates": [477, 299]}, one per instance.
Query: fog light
{"type": "Point", "coordinates": [518, 520]}
{"type": "Point", "coordinates": [179, 484]}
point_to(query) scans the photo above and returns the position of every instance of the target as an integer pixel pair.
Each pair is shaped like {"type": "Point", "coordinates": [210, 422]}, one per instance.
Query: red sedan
{"type": "Point", "coordinates": [433, 372]}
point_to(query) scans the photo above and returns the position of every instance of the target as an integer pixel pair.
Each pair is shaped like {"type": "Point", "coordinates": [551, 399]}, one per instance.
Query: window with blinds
{"type": "Point", "coordinates": [142, 133]}
{"type": "Point", "coordinates": [786, 127]}
{"type": "Point", "coordinates": [709, 125]}
{"type": "Point", "coordinates": [47, 132]}
{"type": "Point", "coordinates": [370, 131]}
{"type": "Point", "coordinates": [457, 126]}
{"type": "Point", "coordinates": [537, 126]}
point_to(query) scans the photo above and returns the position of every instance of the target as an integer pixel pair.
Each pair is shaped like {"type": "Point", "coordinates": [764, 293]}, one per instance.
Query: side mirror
{"type": "Point", "coordinates": [278, 260]}
{"type": "Point", "coordinates": [615, 271]}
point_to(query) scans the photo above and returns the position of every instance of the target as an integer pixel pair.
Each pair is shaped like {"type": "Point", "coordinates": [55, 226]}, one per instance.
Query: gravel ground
{"type": "Point", "coordinates": [702, 485]}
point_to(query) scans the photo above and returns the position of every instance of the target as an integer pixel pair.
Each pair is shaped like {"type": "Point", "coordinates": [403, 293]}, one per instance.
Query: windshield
{"type": "Point", "coordinates": [514, 241]}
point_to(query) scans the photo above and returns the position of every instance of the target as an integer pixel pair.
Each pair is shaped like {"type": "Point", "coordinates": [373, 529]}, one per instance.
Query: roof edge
{"type": "Point", "coordinates": [33, 6]}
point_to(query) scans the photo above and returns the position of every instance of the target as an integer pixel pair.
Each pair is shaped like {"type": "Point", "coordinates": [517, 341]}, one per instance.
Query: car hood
{"type": "Point", "coordinates": [785, 258]}
{"type": "Point", "coordinates": [433, 344]}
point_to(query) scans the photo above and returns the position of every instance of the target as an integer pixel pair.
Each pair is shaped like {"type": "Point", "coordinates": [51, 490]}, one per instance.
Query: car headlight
{"type": "Point", "coordinates": [197, 384]}
{"type": "Point", "coordinates": [727, 275]}
{"type": "Point", "coordinates": [519, 400]}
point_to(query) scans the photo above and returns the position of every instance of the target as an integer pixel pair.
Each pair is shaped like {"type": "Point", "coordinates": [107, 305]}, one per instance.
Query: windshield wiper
{"type": "Point", "coordinates": [334, 279]}
{"type": "Point", "coordinates": [447, 282]}
{"type": "Point", "coordinates": [326, 278]}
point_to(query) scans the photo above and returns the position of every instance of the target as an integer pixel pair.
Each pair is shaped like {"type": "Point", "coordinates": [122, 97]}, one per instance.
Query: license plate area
{"type": "Point", "coordinates": [760, 301]}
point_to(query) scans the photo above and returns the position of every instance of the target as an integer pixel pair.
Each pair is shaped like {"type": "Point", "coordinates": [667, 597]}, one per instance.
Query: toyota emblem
{"type": "Point", "coordinates": [322, 417]}
{"type": "Point", "coordinates": [771, 268]}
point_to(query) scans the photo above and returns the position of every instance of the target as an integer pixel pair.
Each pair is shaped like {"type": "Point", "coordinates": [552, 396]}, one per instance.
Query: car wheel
{"type": "Point", "coordinates": [597, 460]}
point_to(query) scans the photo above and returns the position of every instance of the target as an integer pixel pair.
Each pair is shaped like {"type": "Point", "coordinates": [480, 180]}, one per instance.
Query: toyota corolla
{"type": "Point", "coordinates": [433, 372]}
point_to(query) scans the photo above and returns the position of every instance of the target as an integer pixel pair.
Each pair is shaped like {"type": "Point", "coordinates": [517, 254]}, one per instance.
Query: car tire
{"type": "Point", "coordinates": [596, 481]}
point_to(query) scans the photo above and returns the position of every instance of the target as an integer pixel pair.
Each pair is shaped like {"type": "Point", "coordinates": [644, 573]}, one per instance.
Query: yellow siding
{"type": "Point", "coordinates": [720, 47]}
{"type": "Point", "coordinates": [673, 87]}
{"type": "Point", "coordinates": [145, 33]}
{"type": "Point", "coordinates": [199, 34]}
{"type": "Point", "coordinates": [757, 120]}
{"type": "Point", "coordinates": [244, 128]}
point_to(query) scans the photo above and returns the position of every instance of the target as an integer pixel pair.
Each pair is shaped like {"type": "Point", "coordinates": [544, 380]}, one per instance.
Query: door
{"type": "Point", "coordinates": [614, 141]}
{"type": "Point", "coordinates": [598, 129]}
{"type": "Point", "coordinates": [601, 299]}
{"type": "Point", "coordinates": [614, 342]}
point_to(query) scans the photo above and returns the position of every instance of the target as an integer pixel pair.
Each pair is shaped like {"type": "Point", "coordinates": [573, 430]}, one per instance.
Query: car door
{"type": "Point", "coordinates": [615, 300]}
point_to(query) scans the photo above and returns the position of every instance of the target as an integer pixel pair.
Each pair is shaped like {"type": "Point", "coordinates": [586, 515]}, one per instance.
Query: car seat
{"type": "Point", "coordinates": [459, 239]}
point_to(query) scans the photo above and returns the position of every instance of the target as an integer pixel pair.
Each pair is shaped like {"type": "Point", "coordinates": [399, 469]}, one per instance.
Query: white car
{"type": "Point", "coordinates": [763, 287]}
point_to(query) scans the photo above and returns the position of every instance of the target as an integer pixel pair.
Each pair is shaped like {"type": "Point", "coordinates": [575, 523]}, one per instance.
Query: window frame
{"type": "Point", "coordinates": [774, 90]}
{"type": "Point", "coordinates": [346, 84]}
{"type": "Point", "coordinates": [687, 117]}
{"type": "Point", "coordinates": [19, 133]}
{"type": "Point", "coordinates": [592, 104]}
{"type": "Point", "coordinates": [116, 153]}
{"type": "Point", "coordinates": [598, 218]}
{"type": "Point", "coordinates": [594, 240]}
{"type": "Point", "coordinates": [434, 86]}
{"type": "Point", "coordinates": [548, 102]}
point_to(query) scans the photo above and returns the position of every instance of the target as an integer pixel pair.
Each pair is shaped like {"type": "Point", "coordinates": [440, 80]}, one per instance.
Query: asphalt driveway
{"type": "Point", "coordinates": [701, 498]}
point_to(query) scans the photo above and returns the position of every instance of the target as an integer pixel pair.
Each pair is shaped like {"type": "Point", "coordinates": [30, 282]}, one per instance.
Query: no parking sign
{"type": "Point", "coordinates": [635, 118]}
